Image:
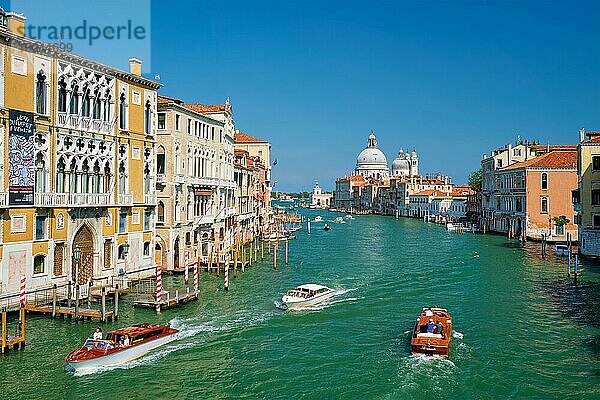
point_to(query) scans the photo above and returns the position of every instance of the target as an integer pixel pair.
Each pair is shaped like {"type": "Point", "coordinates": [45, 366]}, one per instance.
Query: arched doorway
{"type": "Point", "coordinates": [176, 253]}
{"type": "Point", "coordinates": [85, 269]}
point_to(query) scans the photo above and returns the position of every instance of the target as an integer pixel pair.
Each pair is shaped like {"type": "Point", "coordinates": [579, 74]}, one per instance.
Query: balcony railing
{"type": "Point", "coordinates": [229, 211]}
{"type": "Point", "coordinates": [72, 199]}
{"type": "Point", "coordinates": [204, 220]}
{"type": "Point", "coordinates": [203, 181]}
{"type": "Point", "coordinates": [150, 199]}
{"type": "Point", "coordinates": [126, 199]}
{"type": "Point", "coordinates": [160, 178]}
{"type": "Point", "coordinates": [577, 207]}
{"type": "Point", "coordinates": [179, 178]}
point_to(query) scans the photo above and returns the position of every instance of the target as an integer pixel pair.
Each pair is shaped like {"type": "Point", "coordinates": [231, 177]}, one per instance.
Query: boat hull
{"type": "Point", "coordinates": [308, 302]}
{"type": "Point", "coordinates": [122, 356]}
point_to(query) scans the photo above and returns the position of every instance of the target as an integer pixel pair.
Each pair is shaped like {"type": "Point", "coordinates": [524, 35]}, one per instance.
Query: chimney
{"type": "Point", "coordinates": [135, 66]}
{"type": "Point", "coordinates": [16, 23]}
{"type": "Point", "coordinates": [581, 134]}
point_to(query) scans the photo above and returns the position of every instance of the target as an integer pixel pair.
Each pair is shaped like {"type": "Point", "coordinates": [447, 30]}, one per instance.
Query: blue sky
{"type": "Point", "coordinates": [453, 80]}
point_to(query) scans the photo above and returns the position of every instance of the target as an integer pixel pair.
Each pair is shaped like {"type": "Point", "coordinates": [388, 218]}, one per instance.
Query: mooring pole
{"type": "Point", "coordinates": [23, 327]}
{"type": "Point", "coordinates": [89, 296]}
{"type": "Point", "coordinates": [275, 255]}
{"type": "Point", "coordinates": [308, 226]}
{"type": "Point", "coordinates": [576, 269]}
{"type": "Point", "coordinates": [69, 294]}
{"type": "Point", "coordinates": [103, 304]}
{"type": "Point", "coordinates": [54, 301]}
{"type": "Point", "coordinates": [3, 329]}
{"type": "Point", "coordinates": [116, 312]}
{"type": "Point", "coordinates": [569, 265]}
{"type": "Point", "coordinates": [286, 251]}
{"type": "Point", "coordinates": [77, 301]}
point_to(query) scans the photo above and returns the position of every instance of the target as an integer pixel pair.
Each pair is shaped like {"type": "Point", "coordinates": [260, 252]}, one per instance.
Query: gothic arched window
{"type": "Point", "coordinates": [40, 173]}
{"type": "Point", "coordinates": [148, 118]}
{"type": "Point", "coordinates": [85, 107]}
{"type": "Point", "coordinates": [122, 112]}
{"type": "Point", "coordinates": [41, 93]}
{"type": "Point", "coordinates": [74, 106]}
{"type": "Point", "coordinates": [62, 96]}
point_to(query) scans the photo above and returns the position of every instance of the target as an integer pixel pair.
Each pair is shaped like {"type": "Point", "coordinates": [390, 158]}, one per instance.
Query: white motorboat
{"type": "Point", "coordinates": [349, 216]}
{"type": "Point", "coordinates": [114, 350]}
{"type": "Point", "coordinates": [340, 220]}
{"type": "Point", "coordinates": [318, 218]}
{"type": "Point", "coordinates": [450, 227]}
{"type": "Point", "coordinates": [307, 295]}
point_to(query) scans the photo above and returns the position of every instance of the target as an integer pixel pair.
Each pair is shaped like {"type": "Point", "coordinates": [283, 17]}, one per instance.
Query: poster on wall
{"type": "Point", "coordinates": [21, 175]}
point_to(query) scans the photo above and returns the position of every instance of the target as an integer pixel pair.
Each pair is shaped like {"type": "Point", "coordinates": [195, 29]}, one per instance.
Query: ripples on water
{"type": "Point", "coordinates": [521, 328]}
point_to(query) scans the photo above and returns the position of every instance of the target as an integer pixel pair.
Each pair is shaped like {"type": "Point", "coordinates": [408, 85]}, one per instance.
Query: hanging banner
{"type": "Point", "coordinates": [20, 158]}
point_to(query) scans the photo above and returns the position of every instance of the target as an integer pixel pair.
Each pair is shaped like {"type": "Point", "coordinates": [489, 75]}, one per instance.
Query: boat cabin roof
{"type": "Point", "coordinates": [311, 286]}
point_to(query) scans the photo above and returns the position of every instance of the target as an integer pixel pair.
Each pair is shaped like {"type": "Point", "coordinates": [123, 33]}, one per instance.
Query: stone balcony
{"type": "Point", "coordinates": [179, 178]}
{"type": "Point", "coordinates": [204, 220]}
{"type": "Point", "coordinates": [150, 199]}
{"type": "Point", "coordinates": [125, 199]}
{"type": "Point", "coordinates": [47, 200]}
{"type": "Point", "coordinates": [203, 181]}
{"type": "Point", "coordinates": [160, 178]}
{"type": "Point", "coordinates": [74, 121]}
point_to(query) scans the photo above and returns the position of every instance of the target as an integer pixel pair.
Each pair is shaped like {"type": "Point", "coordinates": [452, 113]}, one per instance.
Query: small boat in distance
{"type": "Point", "coordinates": [561, 249]}
{"type": "Point", "coordinates": [307, 295]}
{"type": "Point", "coordinates": [120, 346]}
{"type": "Point", "coordinates": [318, 218]}
{"type": "Point", "coordinates": [450, 227]}
{"type": "Point", "coordinates": [432, 332]}
{"type": "Point", "coordinates": [339, 220]}
{"type": "Point", "coordinates": [349, 216]}
{"type": "Point", "coordinates": [327, 227]}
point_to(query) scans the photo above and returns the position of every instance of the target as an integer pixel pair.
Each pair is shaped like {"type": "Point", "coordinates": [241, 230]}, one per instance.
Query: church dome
{"type": "Point", "coordinates": [371, 161]}
{"type": "Point", "coordinates": [370, 156]}
{"type": "Point", "coordinates": [400, 166]}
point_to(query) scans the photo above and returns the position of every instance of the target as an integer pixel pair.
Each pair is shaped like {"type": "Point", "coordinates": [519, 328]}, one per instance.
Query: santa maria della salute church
{"type": "Point", "coordinates": [372, 163]}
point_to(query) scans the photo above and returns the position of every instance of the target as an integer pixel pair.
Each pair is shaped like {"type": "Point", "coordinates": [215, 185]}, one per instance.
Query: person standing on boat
{"type": "Point", "coordinates": [126, 341]}
{"type": "Point", "coordinates": [430, 326]}
{"type": "Point", "coordinates": [439, 328]}
{"type": "Point", "coordinates": [97, 334]}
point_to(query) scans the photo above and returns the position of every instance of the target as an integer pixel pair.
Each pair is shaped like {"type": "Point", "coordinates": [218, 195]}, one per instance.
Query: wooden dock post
{"type": "Point", "coordinates": [275, 255]}
{"type": "Point", "coordinates": [116, 311]}
{"type": "Point", "coordinates": [22, 313]}
{"type": "Point", "coordinates": [286, 251]}
{"type": "Point", "coordinates": [569, 265]}
{"type": "Point", "coordinates": [576, 269]}
{"type": "Point", "coordinates": [235, 261]}
{"type": "Point", "coordinates": [69, 294]}
{"type": "Point", "coordinates": [89, 296]}
{"type": "Point", "coordinates": [3, 330]}
{"type": "Point", "coordinates": [243, 257]}
{"type": "Point", "coordinates": [103, 304]}
{"type": "Point", "coordinates": [308, 226]}
{"type": "Point", "coordinates": [251, 253]}
{"type": "Point", "coordinates": [77, 301]}
{"type": "Point", "coordinates": [54, 301]}
{"type": "Point", "coordinates": [262, 251]}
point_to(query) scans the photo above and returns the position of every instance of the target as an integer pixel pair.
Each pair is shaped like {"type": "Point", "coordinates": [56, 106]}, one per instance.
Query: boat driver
{"type": "Point", "coordinates": [98, 334]}
{"type": "Point", "coordinates": [439, 328]}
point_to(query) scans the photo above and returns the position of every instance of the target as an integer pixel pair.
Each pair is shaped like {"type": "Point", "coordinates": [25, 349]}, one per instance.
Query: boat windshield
{"type": "Point", "coordinates": [98, 344]}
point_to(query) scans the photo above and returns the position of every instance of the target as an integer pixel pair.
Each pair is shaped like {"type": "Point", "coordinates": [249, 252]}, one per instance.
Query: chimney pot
{"type": "Point", "coordinates": [135, 66]}
{"type": "Point", "coordinates": [16, 23]}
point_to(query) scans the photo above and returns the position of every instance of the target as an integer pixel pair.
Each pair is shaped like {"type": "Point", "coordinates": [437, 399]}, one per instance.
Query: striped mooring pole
{"type": "Point", "coordinates": [158, 288]}
{"type": "Point", "coordinates": [22, 292]}
{"type": "Point", "coordinates": [196, 277]}
{"type": "Point", "coordinates": [226, 283]}
{"type": "Point", "coordinates": [185, 272]}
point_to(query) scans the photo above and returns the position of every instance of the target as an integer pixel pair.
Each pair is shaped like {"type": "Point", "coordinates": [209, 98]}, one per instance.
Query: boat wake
{"type": "Point", "coordinates": [146, 359]}
{"type": "Point", "coordinates": [457, 335]}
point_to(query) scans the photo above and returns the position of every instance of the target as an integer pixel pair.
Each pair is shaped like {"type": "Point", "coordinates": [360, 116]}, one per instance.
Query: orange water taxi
{"type": "Point", "coordinates": [432, 332]}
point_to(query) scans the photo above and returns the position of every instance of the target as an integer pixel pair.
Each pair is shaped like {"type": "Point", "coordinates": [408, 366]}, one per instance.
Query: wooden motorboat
{"type": "Point", "coordinates": [327, 227]}
{"type": "Point", "coordinates": [432, 332]}
{"type": "Point", "coordinates": [120, 346]}
{"type": "Point", "coordinates": [307, 295]}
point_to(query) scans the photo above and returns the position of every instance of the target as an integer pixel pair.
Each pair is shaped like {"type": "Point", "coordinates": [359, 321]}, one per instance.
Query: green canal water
{"type": "Point", "coordinates": [523, 329]}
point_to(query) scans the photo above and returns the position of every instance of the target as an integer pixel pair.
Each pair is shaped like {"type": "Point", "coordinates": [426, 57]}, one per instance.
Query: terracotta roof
{"type": "Point", "coordinates": [430, 193]}
{"type": "Point", "coordinates": [461, 190]}
{"type": "Point", "coordinates": [594, 137]}
{"type": "Point", "coordinates": [202, 108]}
{"type": "Point", "coordinates": [241, 137]}
{"type": "Point", "coordinates": [554, 159]}
{"type": "Point", "coordinates": [554, 147]}
{"type": "Point", "coordinates": [166, 100]}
